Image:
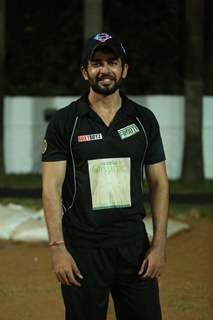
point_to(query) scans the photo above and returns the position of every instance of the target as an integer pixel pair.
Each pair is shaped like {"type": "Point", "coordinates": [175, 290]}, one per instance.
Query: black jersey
{"type": "Point", "coordinates": [103, 189]}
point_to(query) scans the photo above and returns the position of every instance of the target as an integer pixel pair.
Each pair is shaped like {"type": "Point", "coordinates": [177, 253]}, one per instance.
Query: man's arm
{"type": "Point", "coordinates": [64, 265]}
{"type": "Point", "coordinates": [158, 184]}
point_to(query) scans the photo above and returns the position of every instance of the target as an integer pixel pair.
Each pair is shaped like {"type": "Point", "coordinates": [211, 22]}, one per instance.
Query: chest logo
{"type": "Point", "coordinates": [128, 131]}
{"type": "Point", "coordinates": [90, 137]}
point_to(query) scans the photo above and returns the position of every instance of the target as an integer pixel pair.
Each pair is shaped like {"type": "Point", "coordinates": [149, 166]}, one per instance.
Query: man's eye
{"type": "Point", "coordinates": [95, 64]}
{"type": "Point", "coordinates": [113, 62]}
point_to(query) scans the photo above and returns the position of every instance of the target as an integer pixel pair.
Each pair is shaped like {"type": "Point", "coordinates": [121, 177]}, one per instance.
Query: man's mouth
{"type": "Point", "coordinates": [106, 79]}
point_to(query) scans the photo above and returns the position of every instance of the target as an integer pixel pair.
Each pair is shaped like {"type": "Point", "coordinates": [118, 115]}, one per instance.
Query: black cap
{"type": "Point", "coordinates": [102, 39]}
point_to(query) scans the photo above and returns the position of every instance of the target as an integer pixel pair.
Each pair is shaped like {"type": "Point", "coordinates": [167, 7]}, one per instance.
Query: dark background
{"type": "Point", "coordinates": [44, 40]}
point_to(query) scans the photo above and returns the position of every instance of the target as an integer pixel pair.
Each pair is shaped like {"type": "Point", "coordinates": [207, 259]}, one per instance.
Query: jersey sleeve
{"type": "Point", "coordinates": [55, 144]}
{"type": "Point", "coordinates": [155, 151]}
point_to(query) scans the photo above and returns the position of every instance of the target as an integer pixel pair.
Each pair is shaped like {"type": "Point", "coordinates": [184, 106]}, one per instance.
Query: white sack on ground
{"type": "Point", "coordinates": [11, 216]}
{"type": "Point", "coordinates": [31, 230]}
{"type": "Point", "coordinates": [20, 223]}
{"type": "Point", "coordinates": [173, 227]}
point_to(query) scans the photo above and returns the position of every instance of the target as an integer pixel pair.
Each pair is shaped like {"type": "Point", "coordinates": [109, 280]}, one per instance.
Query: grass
{"type": "Point", "coordinates": [178, 186]}
{"type": "Point", "coordinates": [181, 210]}
{"type": "Point", "coordinates": [34, 181]}
{"type": "Point", "coordinates": [192, 210]}
{"type": "Point", "coordinates": [20, 181]}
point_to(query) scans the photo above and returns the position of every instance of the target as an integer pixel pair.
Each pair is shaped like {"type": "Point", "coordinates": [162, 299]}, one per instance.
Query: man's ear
{"type": "Point", "coordinates": [125, 70]}
{"type": "Point", "coordinates": [84, 73]}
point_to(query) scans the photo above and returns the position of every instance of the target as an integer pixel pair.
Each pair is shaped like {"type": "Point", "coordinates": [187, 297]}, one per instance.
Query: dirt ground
{"type": "Point", "coordinates": [29, 290]}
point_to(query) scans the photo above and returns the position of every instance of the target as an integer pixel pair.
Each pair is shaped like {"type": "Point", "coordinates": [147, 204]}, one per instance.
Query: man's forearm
{"type": "Point", "coordinates": [159, 208]}
{"type": "Point", "coordinates": [53, 214]}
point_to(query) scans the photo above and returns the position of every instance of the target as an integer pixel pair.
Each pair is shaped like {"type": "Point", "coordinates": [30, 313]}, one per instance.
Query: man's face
{"type": "Point", "coordinates": [105, 72]}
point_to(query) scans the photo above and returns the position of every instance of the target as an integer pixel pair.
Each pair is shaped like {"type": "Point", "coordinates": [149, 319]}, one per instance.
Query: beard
{"type": "Point", "coordinates": [102, 89]}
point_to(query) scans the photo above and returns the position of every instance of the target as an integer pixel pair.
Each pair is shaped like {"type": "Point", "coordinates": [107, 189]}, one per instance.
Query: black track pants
{"type": "Point", "coordinates": [111, 271]}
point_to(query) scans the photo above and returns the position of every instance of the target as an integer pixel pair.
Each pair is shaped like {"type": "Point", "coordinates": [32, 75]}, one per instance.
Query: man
{"type": "Point", "coordinates": [93, 158]}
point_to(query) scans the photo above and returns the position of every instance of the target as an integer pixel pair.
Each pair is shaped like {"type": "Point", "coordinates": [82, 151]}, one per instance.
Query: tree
{"type": "Point", "coordinates": [209, 48]}
{"type": "Point", "coordinates": [93, 17]}
{"type": "Point", "coordinates": [193, 87]}
{"type": "Point", "coordinates": [2, 54]}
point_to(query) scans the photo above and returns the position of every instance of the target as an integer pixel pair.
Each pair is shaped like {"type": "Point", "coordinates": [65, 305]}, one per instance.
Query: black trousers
{"type": "Point", "coordinates": [111, 270]}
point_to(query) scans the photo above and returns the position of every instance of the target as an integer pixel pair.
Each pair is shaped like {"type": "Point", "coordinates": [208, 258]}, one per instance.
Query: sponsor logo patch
{"type": "Point", "coordinates": [128, 131]}
{"type": "Point", "coordinates": [90, 137]}
{"type": "Point", "coordinates": [44, 146]}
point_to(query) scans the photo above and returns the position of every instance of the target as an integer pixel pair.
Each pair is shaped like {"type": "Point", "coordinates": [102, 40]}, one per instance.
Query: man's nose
{"type": "Point", "coordinates": [105, 67]}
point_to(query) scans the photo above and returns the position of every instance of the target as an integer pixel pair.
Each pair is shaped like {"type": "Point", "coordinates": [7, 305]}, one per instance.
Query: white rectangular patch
{"type": "Point", "coordinates": [110, 183]}
{"type": "Point", "coordinates": [128, 131]}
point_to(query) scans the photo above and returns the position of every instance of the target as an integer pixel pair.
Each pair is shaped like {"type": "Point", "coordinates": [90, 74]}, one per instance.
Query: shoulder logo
{"type": "Point", "coordinates": [44, 146]}
{"type": "Point", "coordinates": [90, 137]}
{"type": "Point", "coordinates": [128, 131]}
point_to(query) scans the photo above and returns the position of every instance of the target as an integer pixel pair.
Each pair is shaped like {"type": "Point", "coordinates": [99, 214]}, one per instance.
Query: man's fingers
{"type": "Point", "coordinates": [152, 272]}
{"type": "Point", "coordinates": [143, 267]}
{"type": "Point", "coordinates": [153, 264]}
{"type": "Point", "coordinates": [149, 272]}
{"type": "Point", "coordinates": [61, 277]}
{"type": "Point", "coordinates": [67, 277]}
{"type": "Point", "coordinates": [71, 280]}
{"type": "Point", "coordinates": [77, 271]}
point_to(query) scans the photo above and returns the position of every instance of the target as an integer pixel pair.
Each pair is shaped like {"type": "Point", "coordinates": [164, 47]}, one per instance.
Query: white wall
{"type": "Point", "coordinates": [24, 128]}
{"type": "Point", "coordinates": [208, 136]}
{"type": "Point", "coordinates": [169, 110]}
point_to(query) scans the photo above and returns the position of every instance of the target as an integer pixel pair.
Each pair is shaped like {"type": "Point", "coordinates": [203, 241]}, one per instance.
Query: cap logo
{"type": "Point", "coordinates": [102, 37]}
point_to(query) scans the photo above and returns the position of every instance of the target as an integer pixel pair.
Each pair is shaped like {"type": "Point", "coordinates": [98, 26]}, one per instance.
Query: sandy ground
{"type": "Point", "coordinates": [29, 290]}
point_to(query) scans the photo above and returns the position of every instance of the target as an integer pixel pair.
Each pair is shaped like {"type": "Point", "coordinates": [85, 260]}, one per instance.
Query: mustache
{"type": "Point", "coordinates": [111, 77]}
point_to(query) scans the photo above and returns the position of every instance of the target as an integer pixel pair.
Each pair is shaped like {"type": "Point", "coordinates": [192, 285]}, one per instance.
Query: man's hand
{"type": "Point", "coordinates": [64, 266]}
{"type": "Point", "coordinates": [153, 263]}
